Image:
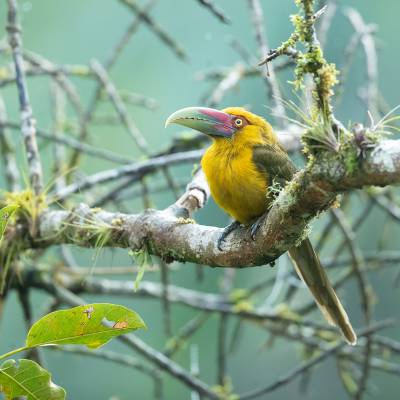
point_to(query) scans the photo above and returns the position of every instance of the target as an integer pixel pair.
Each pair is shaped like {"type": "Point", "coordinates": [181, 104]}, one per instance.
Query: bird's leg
{"type": "Point", "coordinates": [255, 226]}
{"type": "Point", "coordinates": [227, 230]}
{"type": "Point", "coordinates": [253, 232]}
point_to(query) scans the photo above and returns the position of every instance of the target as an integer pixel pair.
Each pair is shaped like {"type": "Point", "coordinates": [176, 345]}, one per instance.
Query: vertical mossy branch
{"type": "Point", "coordinates": [314, 62]}
{"type": "Point", "coordinates": [28, 127]}
{"type": "Point", "coordinates": [323, 128]}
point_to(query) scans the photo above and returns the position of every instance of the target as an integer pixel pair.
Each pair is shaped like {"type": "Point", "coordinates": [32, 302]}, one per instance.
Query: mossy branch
{"type": "Point", "coordinates": [171, 235]}
{"type": "Point", "coordinates": [310, 62]}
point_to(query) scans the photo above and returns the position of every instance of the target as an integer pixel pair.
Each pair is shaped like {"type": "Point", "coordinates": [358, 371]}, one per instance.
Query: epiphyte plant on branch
{"type": "Point", "coordinates": [249, 174]}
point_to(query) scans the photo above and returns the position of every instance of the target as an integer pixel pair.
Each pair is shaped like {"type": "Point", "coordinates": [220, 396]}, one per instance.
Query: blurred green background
{"type": "Point", "coordinates": [77, 31]}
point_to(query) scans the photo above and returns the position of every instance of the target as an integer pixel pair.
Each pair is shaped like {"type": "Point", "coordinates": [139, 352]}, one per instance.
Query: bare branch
{"type": "Point", "coordinates": [60, 76]}
{"type": "Point", "coordinates": [8, 153]}
{"type": "Point", "coordinates": [136, 169]}
{"type": "Point", "coordinates": [295, 372]}
{"type": "Point", "coordinates": [230, 81]}
{"type": "Point", "coordinates": [87, 116]}
{"type": "Point", "coordinates": [27, 121]}
{"type": "Point", "coordinates": [325, 21]}
{"type": "Point", "coordinates": [58, 127]}
{"type": "Point", "coordinates": [371, 57]}
{"type": "Point", "coordinates": [215, 10]}
{"type": "Point", "coordinates": [156, 29]}
{"type": "Point", "coordinates": [269, 76]}
{"type": "Point", "coordinates": [119, 106]}
{"type": "Point", "coordinates": [69, 141]}
{"type": "Point", "coordinates": [365, 293]}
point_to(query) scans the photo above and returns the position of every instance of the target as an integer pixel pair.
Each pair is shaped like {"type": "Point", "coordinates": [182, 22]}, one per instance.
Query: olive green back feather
{"type": "Point", "coordinates": [275, 162]}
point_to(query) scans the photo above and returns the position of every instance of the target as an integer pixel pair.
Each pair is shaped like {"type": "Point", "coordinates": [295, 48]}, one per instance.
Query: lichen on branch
{"type": "Point", "coordinates": [311, 61]}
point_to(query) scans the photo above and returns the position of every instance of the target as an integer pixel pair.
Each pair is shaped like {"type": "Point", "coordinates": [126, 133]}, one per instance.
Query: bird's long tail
{"type": "Point", "coordinates": [312, 273]}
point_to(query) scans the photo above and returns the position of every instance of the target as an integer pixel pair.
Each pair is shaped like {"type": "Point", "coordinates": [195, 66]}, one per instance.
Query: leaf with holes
{"type": "Point", "coordinates": [92, 325]}
{"type": "Point", "coordinates": [27, 378]}
{"type": "Point", "coordinates": [6, 214]}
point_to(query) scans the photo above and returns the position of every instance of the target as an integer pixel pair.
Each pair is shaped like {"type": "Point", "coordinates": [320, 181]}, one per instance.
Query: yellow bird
{"type": "Point", "coordinates": [244, 160]}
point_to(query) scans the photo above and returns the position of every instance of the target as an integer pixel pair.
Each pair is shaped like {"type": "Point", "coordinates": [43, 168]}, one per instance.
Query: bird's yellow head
{"type": "Point", "coordinates": [233, 124]}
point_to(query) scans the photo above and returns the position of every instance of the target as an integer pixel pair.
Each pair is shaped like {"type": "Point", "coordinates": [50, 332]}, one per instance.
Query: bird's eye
{"type": "Point", "coordinates": [238, 122]}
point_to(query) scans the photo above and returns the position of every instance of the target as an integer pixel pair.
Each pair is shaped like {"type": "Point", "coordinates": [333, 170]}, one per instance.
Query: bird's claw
{"type": "Point", "coordinates": [256, 226]}
{"type": "Point", "coordinates": [227, 230]}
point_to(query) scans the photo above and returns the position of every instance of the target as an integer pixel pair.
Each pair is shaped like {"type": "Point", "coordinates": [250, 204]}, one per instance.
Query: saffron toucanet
{"type": "Point", "coordinates": [243, 161]}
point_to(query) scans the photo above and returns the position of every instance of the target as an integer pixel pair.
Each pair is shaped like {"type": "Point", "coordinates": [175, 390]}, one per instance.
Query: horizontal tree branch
{"type": "Point", "coordinates": [139, 168]}
{"type": "Point", "coordinates": [72, 143]}
{"type": "Point", "coordinates": [165, 233]}
{"type": "Point", "coordinates": [197, 300]}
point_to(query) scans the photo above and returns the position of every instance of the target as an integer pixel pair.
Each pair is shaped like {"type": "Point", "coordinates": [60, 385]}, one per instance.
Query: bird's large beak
{"type": "Point", "coordinates": [206, 120]}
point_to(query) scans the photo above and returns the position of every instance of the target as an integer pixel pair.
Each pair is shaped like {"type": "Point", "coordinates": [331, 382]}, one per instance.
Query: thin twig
{"type": "Point", "coordinates": [138, 169]}
{"type": "Point", "coordinates": [194, 369]}
{"type": "Point", "coordinates": [386, 204]}
{"type": "Point", "coordinates": [215, 10]}
{"type": "Point", "coordinates": [58, 127]}
{"type": "Point", "coordinates": [269, 77]}
{"type": "Point", "coordinates": [176, 342]}
{"type": "Point", "coordinates": [371, 58]}
{"type": "Point", "coordinates": [325, 21]}
{"type": "Point", "coordinates": [114, 357]}
{"type": "Point", "coordinates": [156, 29]}
{"type": "Point", "coordinates": [166, 309]}
{"type": "Point", "coordinates": [120, 108]}
{"type": "Point", "coordinates": [295, 372]}
{"type": "Point", "coordinates": [60, 77]}
{"type": "Point", "coordinates": [221, 353]}
{"type": "Point", "coordinates": [365, 293]}
{"type": "Point", "coordinates": [111, 60]}
{"type": "Point", "coordinates": [8, 153]}
{"type": "Point", "coordinates": [229, 82]}
{"type": "Point", "coordinates": [69, 141]}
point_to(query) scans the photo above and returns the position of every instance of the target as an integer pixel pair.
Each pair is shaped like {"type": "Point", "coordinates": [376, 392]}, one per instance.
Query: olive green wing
{"type": "Point", "coordinates": [274, 162]}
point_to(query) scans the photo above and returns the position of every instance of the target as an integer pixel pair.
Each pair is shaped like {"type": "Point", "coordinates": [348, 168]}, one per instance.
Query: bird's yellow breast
{"type": "Point", "coordinates": [236, 184]}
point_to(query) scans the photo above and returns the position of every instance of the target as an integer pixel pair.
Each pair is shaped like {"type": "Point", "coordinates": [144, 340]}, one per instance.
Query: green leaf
{"type": "Point", "coordinates": [143, 259]}
{"type": "Point", "coordinates": [92, 325]}
{"type": "Point", "coordinates": [6, 214]}
{"type": "Point", "coordinates": [29, 379]}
